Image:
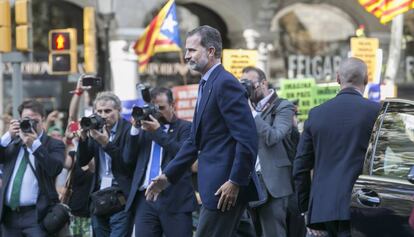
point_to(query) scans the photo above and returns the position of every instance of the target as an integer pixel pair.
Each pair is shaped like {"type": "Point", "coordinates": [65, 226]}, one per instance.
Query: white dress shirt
{"type": "Point", "coordinates": [260, 106]}
{"type": "Point", "coordinates": [30, 187]}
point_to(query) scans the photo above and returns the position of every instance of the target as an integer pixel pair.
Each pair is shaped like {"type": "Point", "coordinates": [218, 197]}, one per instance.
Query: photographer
{"type": "Point", "coordinates": [31, 160]}
{"type": "Point", "coordinates": [274, 123]}
{"type": "Point", "coordinates": [103, 137]}
{"type": "Point", "coordinates": [152, 145]}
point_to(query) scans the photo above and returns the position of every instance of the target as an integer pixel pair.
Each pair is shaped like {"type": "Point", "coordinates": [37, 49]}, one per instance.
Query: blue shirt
{"type": "Point", "coordinates": [105, 161]}
{"type": "Point", "coordinates": [208, 73]}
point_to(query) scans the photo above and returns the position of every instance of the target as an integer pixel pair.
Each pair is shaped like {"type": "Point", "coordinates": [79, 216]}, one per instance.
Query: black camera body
{"type": "Point", "coordinates": [90, 80]}
{"type": "Point", "coordinates": [27, 125]}
{"type": "Point", "coordinates": [248, 86]}
{"type": "Point", "coordinates": [92, 122]}
{"type": "Point", "coordinates": [143, 112]}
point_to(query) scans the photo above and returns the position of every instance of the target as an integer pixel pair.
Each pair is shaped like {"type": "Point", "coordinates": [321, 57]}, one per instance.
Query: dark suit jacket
{"type": "Point", "coordinates": [49, 158]}
{"type": "Point", "coordinates": [89, 148]}
{"type": "Point", "coordinates": [333, 144]}
{"type": "Point", "coordinates": [275, 165]}
{"type": "Point", "coordinates": [178, 197]}
{"type": "Point", "coordinates": [223, 138]}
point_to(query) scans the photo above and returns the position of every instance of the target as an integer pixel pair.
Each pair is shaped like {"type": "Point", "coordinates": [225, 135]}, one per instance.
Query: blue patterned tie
{"type": "Point", "coordinates": [200, 91]}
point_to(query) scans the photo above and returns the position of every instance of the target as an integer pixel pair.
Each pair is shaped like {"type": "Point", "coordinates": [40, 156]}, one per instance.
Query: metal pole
{"type": "Point", "coordinates": [1, 94]}
{"type": "Point", "coordinates": [108, 81]}
{"type": "Point", "coordinates": [16, 58]}
{"type": "Point", "coordinates": [17, 85]}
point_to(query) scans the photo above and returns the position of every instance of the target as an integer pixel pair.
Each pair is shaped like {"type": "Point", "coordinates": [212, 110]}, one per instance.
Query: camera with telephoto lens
{"type": "Point", "coordinates": [248, 86]}
{"type": "Point", "coordinates": [27, 125]}
{"type": "Point", "coordinates": [143, 112]}
{"type": "Point", "coordinates": [92, 122]}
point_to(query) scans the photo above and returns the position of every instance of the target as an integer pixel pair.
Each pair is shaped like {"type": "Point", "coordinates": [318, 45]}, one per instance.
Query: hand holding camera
{"type": "Point", "coordinates": [95, 124]}
{"type": "Point", "coordinates": [147, 113]}
{"type": "Point", "coordinates": [28, 138]}
{"type": "Point", "coordinates": [86, 82]}
{"type": "Point", "coordinates": [14, 128]}
{"type": "Point", "coordinates": [102, 137]}
{"type": "Point", "coordinates": [150, 126]}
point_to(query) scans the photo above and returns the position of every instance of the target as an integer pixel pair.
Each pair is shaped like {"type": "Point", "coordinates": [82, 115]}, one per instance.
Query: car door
{"type": "Point", "coordinates": [382, 197]}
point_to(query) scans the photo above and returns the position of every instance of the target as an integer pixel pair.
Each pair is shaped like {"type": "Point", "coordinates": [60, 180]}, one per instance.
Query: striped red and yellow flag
{"type": "Point", "coordinates": [161, 35]}
{"type": "Point", "coordinates": [386, 10]}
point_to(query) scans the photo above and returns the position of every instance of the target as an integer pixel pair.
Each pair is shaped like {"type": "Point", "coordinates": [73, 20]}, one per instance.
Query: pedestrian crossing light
{"type": "Point", "coordinates": [60, 41]}
{"type": "Point", "coordinates": [63, 57]}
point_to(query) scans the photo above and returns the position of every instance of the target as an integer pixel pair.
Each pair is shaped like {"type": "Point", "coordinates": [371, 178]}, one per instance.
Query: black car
{"type": "Point", "coordinates": [383, 195]}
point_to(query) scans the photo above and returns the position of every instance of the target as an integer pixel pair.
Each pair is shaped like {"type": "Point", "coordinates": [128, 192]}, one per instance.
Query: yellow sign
{"type": "Point", "coordinates": [234, 60]}
{"type": "Point", "coordinates": [366, 50]}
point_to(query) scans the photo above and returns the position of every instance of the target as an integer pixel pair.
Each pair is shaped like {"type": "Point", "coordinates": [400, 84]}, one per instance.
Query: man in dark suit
{"type": "Point", "coordinates": [24, 199]}
{"type": "Point", "coordinates": [333, 144]}
{"type": "Point", "coordinates": [223, 138]}
{"type": "Point", "coordinates": [106, 147]}
{"type": "Point", "coordinates": [274, 123]}
{"type": "Point", "coordinates": [150, 148]}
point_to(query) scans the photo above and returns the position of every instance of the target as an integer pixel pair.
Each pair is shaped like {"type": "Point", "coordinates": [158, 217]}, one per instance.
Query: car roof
{"type": "Point", "coordinates": [397, 100]}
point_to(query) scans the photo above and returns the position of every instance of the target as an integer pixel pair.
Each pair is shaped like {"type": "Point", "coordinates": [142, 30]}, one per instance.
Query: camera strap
{"type": "Point", "coordinates": [41, 186]}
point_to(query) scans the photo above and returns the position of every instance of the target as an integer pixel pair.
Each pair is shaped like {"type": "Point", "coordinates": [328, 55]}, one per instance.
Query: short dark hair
{"type": "Point", "coordinates": [210, 37]}
{"type": "Point", "coordinates": [162, 90]}
{"type": "Point", "coordinates": [33, 105]}
{"type": "Point", "coordinates": [262, 75]}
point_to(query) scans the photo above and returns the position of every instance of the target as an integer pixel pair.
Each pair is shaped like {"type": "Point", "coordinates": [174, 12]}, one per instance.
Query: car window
{"type": "Point", "coordinates": [394, 153]}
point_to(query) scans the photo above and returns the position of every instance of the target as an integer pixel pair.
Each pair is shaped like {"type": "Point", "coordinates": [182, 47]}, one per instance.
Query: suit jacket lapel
{"type": "Point", "coordinates": [206, 94]}
{"type": "Point", "coordinates": [172, 129]}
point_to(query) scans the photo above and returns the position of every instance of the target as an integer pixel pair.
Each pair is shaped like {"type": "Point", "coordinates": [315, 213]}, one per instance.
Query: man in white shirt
{"type": "Point", "coordinates": [25, 149]}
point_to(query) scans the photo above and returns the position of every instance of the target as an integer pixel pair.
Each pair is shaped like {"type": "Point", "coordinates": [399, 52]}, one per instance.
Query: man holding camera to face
{"type": "Point", "coordinates": [103, 137]}
{"type": "Point", "coordinates": [31, 160]}
{"type": "Point", "coordinates": [152, 145]}
{"type": "Point", "coordinates": [274, 123]}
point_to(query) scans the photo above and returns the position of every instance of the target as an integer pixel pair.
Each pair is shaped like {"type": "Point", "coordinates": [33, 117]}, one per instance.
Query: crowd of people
{"type": "Point", "coordinates": [123, 178]}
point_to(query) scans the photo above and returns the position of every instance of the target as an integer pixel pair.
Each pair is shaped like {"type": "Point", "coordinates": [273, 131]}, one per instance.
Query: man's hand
{"type": "Point", "coordinates": [14, 128]}
{"type": "Point", "coordinates": [150, 126]}
{"type": "Point", "coordinates": [135, 123]}
{"type": "Point", "coordinates": [101, 137]}
{"type": "Point", "coordinates": [156, 186]}
{"type": "Point", "coordinates": [229, 192]}
{"type": "Point", "coordinates": [28, 138]}
{"type": "Point", "coordinates": [52, 117]}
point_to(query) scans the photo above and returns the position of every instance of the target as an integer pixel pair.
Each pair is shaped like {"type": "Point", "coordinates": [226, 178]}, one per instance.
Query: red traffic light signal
{"type": "Point", "coordinates": [63, 58]}
{"type": "Point", "coordinates": [60, 41]}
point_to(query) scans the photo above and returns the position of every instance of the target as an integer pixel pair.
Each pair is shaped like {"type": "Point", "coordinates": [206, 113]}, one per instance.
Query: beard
{"type": "Point", "coordinates": [256, 97]}
{"type": "Point", "coordinates": [163, 120]}
{"type": "Point", "coordinates": [198, 67]}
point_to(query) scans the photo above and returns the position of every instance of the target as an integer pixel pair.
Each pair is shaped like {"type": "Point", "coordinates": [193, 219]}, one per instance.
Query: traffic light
{"type": "Point", "coordinates": [89, 40]}
{"type": "Point", "coordinates": [63, 56]}
{"type": "Point", "coordinates": [5, 30]}
{"type": "Point", "coordinates": [23, 18]}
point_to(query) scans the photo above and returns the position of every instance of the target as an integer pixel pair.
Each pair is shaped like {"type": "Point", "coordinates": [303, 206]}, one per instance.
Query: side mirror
{"type": "Point", "coordinates": [410, 176]}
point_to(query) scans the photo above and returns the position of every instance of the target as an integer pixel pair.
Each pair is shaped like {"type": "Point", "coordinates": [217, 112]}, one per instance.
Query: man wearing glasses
{"type": "Point", "coordinates": [151, 146]}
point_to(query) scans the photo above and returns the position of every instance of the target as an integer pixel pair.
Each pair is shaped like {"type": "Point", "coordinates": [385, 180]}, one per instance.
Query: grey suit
{"type": "Point", "coordinates": [273, 125]}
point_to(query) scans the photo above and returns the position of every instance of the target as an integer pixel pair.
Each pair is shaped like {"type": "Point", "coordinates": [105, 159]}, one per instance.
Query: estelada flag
{"type": "Point", "coordinates": [386, 10]}
{"type": "Point", "coordinates": [161, 35]}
